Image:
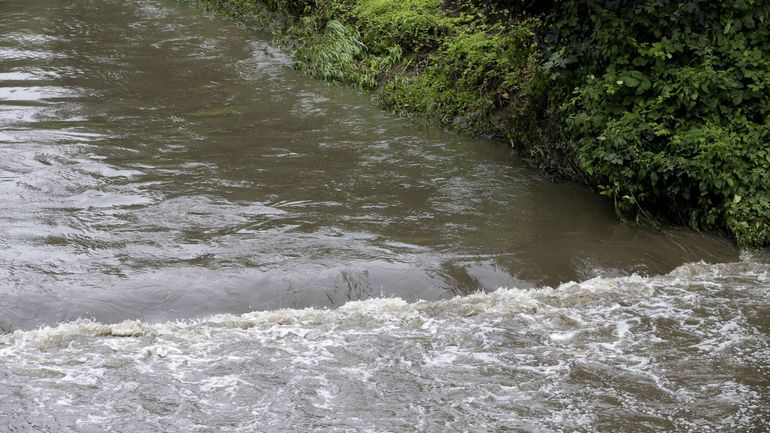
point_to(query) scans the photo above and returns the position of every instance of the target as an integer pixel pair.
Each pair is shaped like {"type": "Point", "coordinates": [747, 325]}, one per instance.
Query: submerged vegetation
{"type": "Point", "coordinates": [660, 105]}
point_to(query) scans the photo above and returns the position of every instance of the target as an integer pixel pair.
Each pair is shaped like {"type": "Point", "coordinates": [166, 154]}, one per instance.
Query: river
{"type": "Point", "coordinates": [195, 237]}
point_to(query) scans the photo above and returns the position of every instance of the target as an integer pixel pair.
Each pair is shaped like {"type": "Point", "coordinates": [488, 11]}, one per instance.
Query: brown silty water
{"type": "Point", "coordinates": [158, 164]}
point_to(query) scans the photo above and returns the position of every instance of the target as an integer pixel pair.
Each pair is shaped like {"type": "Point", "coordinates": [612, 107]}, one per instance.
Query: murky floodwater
{"type": "Point", "coordinates": [159, 165]}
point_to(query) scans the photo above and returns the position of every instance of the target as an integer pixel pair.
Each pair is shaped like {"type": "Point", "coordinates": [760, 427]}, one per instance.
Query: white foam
{"type": "Point", "coordinates": [555, 358]}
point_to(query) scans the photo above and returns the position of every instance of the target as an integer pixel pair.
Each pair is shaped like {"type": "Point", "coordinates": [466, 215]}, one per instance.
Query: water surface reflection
{"type": "Point", "coordinates": [159, 164]}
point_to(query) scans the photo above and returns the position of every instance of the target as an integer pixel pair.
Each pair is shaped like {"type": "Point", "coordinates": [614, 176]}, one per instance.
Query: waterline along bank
{"type": "Point", "coordinates": [161, 164]}
{"type": "Point", "coordinates": [660, 106]}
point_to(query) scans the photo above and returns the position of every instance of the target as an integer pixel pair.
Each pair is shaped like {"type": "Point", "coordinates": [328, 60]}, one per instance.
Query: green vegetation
{"type": "Point", "coordinates": [660, 105]}
{"type": "Point", "coordinates": [668, 106]}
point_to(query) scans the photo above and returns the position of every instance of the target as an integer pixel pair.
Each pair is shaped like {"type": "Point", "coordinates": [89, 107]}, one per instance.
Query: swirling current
{"type": "Point", "coordinates": [196, 238]}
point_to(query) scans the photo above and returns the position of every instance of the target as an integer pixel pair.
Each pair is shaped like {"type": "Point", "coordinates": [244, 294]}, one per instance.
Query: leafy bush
{"type": "Point", "coordinates": [667, 103]}
{"type": "Point", "coordinates": [475, 81]}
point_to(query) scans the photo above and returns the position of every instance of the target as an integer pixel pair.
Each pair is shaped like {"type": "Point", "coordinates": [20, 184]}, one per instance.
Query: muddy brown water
{"type": "Point", "coordinates": [160, 165]}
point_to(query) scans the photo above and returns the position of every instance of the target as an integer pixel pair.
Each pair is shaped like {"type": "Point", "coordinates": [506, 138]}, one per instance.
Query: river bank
{"type": "Point", "coordinates": [659, 107]}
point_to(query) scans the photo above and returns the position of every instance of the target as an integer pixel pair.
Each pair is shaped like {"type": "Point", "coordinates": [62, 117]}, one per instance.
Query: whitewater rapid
{"type": "Point", "coordinates": [686, 352]}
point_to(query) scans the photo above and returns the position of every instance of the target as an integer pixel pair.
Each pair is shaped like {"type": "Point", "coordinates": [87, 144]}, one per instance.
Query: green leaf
{"type": "Point", "coordinates": [644, 86]}
{"type": "Point", "coordinates": [630, 81]}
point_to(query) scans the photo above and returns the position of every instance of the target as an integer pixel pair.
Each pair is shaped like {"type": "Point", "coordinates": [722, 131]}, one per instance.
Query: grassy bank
{"type": "Point", "coordinates": [660, 105]}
